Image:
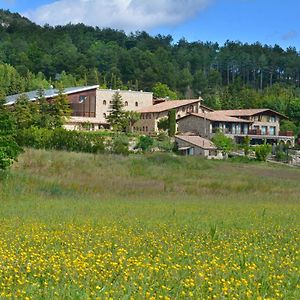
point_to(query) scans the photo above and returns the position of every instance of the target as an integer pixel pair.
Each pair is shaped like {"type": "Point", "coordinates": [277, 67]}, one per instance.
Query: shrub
{"type": "Point", "coordinates": [246, 145]}
{"type": "Point", "coordinates": [164, 143]}
{"type": "Point", "coordinates": [120, 144]}
{"type": "Point", "coordinates": [9, 151]}
{"type": "Point", "coordinates": [145, 143]}
{"type": "Point", "coordinates": [262, 152]}
{"type": "Point", "coordinates": [163, 124]}
{"type": "Point", "coordinates": [60, 139]}
{"type": "Point", "coordinates": [223, 142]}
{"type": "Point", "coordinates": [39, 138]}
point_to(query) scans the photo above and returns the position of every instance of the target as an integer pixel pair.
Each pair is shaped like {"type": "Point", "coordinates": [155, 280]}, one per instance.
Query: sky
{"type": "Point", "coordinates": [266, 21]}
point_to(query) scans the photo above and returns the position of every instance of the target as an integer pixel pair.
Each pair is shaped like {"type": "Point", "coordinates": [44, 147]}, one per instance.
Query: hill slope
{"type": "Point", "coordinates": [82, 226]}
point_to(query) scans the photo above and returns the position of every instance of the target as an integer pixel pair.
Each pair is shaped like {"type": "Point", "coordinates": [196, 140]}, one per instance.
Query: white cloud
{"type": "Point", "coordinates": [121, 14]}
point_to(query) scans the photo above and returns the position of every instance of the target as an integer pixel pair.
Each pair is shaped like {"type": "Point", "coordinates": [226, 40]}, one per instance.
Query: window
{"type": "Point", "coordinates": [82, 98]}
{"type": "Point", "coordinates": [104, 115]}
{"type": "Point", "coordinates": [272, 130]}
{"type": "Point", "coordinates": [272, 119]}
{"type": "Point", "coordinates": [126, 103]}
{"type": "Point", "coordinates": [84, 106]}
{"type": "Point", "coordinates": [183, 109]}
{"type": "Point", "coordinates": [136, 104]}
{"type": "Point", "coordinates": [146, 128]}
{"type": "Point", "coordinates": [143, 128]}
{"type": "Point", "coordinates": [104, 102]}
{"type": "Point", "coordinates": [264, 130]}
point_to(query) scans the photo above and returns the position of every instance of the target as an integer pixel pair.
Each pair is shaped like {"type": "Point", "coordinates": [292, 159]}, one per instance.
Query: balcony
{"type": "Point", "coordinates": [228, 131]}
{"type": "Point", "coordinates": [286, 133]}
{"type": "Point", "coordinates": [255, 132]}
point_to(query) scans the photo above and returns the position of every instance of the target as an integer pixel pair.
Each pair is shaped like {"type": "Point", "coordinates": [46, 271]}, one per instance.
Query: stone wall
{"type": "Point", "coordinates": [195, 125]}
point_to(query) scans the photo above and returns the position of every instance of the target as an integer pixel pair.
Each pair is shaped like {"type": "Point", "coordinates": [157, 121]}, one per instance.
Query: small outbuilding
{"type": "Point", "coordinates": [197, 145]}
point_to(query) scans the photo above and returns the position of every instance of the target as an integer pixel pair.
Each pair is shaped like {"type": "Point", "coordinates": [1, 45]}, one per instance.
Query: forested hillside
{"type": "Point", "coordinates": [233, 75]}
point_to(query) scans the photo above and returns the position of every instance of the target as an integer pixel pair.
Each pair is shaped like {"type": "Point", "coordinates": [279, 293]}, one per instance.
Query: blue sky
{"type": "Point", "coordinates": [266, 21]}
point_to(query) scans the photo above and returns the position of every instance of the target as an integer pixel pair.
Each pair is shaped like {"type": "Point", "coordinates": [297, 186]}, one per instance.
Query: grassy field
{"type": "Point", "coordinates": [78, 226]}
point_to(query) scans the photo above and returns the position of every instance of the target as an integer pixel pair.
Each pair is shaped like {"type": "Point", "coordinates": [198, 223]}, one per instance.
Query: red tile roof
{"type": "Point", "coordinates": [197, 141]}
{"type": "Point", "coordinates": [167, 105]}
{"type": "Point", "coordinates": [217, 116]}
{"type": "Point", "coordinates": [249, 112]}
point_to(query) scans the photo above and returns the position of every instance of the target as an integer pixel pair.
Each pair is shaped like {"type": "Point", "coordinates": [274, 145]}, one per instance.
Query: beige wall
{"type": "Point", "coordinates": [150, 120]}
{"type": "Point", "coordinates": [133, 100]}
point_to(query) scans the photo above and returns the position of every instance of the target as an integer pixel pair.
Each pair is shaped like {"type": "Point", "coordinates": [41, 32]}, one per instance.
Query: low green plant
{"type": "Point", "coordinates": [120, 144]}
{"type": "Point", "coordinates": [246, 145]}
{"type": "Point", "coordinates": [145, 143]}
{"type": "Point", "coordinates": [262, 152]}
{"type": "Point", "coordinates": [223, 142]}
{"type": "Point", "coordinates": [9, 149]}
{"type": "Point", "coordinates": [163, 124]}
{"type": "Point", "coordinates": [60, 139]}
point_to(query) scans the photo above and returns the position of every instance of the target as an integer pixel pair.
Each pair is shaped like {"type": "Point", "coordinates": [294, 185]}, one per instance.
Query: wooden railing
{"type": "Point", "coordinates": [286, 133]}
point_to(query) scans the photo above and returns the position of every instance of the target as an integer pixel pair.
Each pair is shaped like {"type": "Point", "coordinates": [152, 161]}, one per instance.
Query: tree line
{"type": "Point", "coordinates": [233, 75]}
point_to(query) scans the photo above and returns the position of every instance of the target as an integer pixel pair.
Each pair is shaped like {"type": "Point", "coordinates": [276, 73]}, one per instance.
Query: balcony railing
{"type": "Point", "coordinates": [255, 132]}
{"type": "Point", "coordinates": [286, 133]}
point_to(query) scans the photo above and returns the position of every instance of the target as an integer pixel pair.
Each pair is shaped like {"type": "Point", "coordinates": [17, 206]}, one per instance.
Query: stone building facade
{"type": "Point", "coordinates": [133, 101]}
{"type": "Point", "coordinates": [150, 116]}
{"type": "Point", "coordinates": [196, 145]}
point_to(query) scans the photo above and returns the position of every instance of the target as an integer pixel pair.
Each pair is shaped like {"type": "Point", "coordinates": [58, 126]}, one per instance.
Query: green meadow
{"type": "Point", "coordinates": [155, 226]}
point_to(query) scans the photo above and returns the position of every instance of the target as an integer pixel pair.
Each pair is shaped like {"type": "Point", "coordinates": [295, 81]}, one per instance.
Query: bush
{"type": "Point", "coordinates": [145, 143]}
{"type": "Point", "coordinates": [9, 151]}
{"type": "Point", "coordinates": [60, 139]}
{"type": "Point", "coordinates": [163, 124]}
{"type": "Point", "coordinates": [223, 142]}
{"type": "Point", "coordinates": [262, 152]}
{"type": "Point", "coordinates": [120, 145]}
{"type": "Point", "coordinates": [39, 138]}
{"type": "Point", "coordinates": [164, 143]}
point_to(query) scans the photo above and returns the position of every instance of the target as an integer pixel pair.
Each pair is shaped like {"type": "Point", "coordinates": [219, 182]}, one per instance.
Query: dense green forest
{"type": "Point", "coordinates": [233, 75]}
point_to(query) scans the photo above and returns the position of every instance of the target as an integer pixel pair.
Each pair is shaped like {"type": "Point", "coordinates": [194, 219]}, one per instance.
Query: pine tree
{"type": "Point", "coordinates": [117, 116]}
{"type": "Point", "coordinates": [60, 109]}
{"type": "Point", "coordinates": [23, 112]}
{"type": "Point", "coordinates": [44, 120]}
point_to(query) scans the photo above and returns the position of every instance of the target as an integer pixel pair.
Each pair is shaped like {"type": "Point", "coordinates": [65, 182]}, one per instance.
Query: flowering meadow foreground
{"type": "Point", "coordinates": [77, 226]}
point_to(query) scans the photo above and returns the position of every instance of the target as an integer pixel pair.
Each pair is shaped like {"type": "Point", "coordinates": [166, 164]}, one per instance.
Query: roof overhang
{"type": "Point", "coordinates": [53, 93]}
